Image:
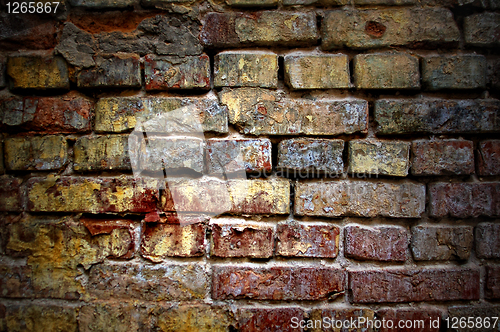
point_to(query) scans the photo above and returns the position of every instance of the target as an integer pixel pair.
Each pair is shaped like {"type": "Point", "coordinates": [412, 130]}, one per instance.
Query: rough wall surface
{"type": "Point", "coordinates": [348, 167]}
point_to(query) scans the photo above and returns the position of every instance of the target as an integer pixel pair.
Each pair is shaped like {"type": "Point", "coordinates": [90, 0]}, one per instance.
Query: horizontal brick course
{"type": "Point", "coordinates": [38, 72]}
{"type": "Point", "coordinates": [374, 28]}
{"type": "Point", "coordinates": [276, 283]}
{"type": "Point", "coordinates": [116, 71]}
{"type": "Point", "coordinates": [463, 200]}
{"type": "Point", "coordinates": [402, 285]}
{"type": "Point", "coordinates": [364, 199]}
{"type": "Point", "coordinates": [254, 112]}
{"type": "Point", "coordinates": [307, 240]}
{"type": "Point", "coordinates": [441, 242]}
{"type": "Point", "coordinates": [440, 157]}
{"type": "Point", "coordinates": [379, 243]}
{"type": "Point", "coordinates": [437, 116]}
{"type": "Point", "coordinates": [92, 153]}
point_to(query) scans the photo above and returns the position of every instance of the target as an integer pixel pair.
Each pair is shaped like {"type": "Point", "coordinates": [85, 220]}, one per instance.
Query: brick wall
{"type": "Point", "coordinates": [348, 164]}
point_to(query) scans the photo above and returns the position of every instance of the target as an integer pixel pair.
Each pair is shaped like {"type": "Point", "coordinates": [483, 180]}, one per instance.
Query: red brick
{"type": "Point", "coordinates": [70, 113]}
{"type": "Point", "coordinates": [238, 155]}
{"type": "Point", "coordinates": [277, 282]}
{"type": "Point", "coordinates": [15, 281]}
{"type": "Point", "coordinates": [380, 243]}
{"type": "Point", "coordinates": [82, 194]}
{"type": "Point", "coordinates": [488, 158]}
{"type": "Point", "coordinates": [492, 285]}
{"type": "Point", "coordinates": [10, 194]}
{"type": "Point", "coordinates": [487, 237]}
{"type": "Point", "coordinates": [241, 239]}
{"type": "Point", "coordinates": [411, 285]}
{"type": "Point", "coordinates": [172, 72]}
{"type": "Point", "coordinates": [148, 282]}
{"type": "Point", "coordinates": [259, 28]}
{"type": "Point", "coordinates": [420, 319]}
{"type": "Point", "coordinates": [169, 240]}
{"type": "Point", "coordinates": [442, 157]}
{"type": "Point", "coordinates": [307, 240]}
{"type": "Point", "coordinates": [269, 320]}
{"type": "Point", "coordinates": [441, 242]}
{"type": "Point", "coordinates": [356, 198]}
{"type": "Point", "coordinates": [331, 317]}
{"type": "Point", "coordinates": [463, 200]}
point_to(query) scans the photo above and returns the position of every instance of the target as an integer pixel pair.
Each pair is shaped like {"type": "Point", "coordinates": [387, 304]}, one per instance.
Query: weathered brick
{"type": "Point", "coordinates": [171, 153]}
{"type": "Point", "coordinates": [259, 28]}
{"type": "Point", "coordinates": [487, 237]}
{"type": "Point", "coordinates": [234, 196]}
{"type": "Point", "coordinates": [464, 200]}
{"type": "Point", "coordinates": [38, 72]}
{"type": "Point", "coordinates": [482, 310]}
{"type": "Point", "coordinates": [492, 285]}
{"type": "Point", "coordinates": [2, 167]}
{"type": "Point", "coordinates": [81, 194]}
{"type": "Point", "coordinates": [385, 2]}
{"type": "Point", "coordinates": [171, 72]}
{"type": "Point", "coordinates": [252, 3]}
{"type": "Point", "coordinates": [488, 157]}
{"type": "Point", "coordinates": [412, 320]}
{"type": "Point", "coordinates": [379, 157]}
{"type": "Point", "coordinates": [332, 318]}
{"type": "Point", "coordinates": [238, 155]}
{"type": "Point", "coordinates": [119, 114]}
{"type": "Point", "coordinates": [369, 28]}
{"type": "Point", "coordinates": [379, 243]}
{"type": "Point", "coordinates": [103, 4]}
{"type": "Point", "coordinates": [148, 282]}
{"type": "Point", "coordinates": [195, 318]}
{"type": "Point", "coordinates": [440, 157]}
{"type": "Point", "coordinates": [277, 282]}
{"type": "Point", "coordinates": [307, 240]}
{"type": "Point", "coordinates": [311, 155]}
{"type": "Point", "coordinates": [269, 319]}
{"type": "Point", "coordinates": [41, 317]}
{"type": "Point", "coordinates": [55, 249]}
{"type": "Point", "coordinates": [404, 285]}
{"type": "Point", "coordinates": [3, 72]}
{"type": "Point", "coordinates": [242, 239]}
{"type": "Point", "coordinates": [386, 71]}
{"type": "Point", "coordinates": [258, 111]}
{"type": "Point", "coordinates": [246, 68]}
{"type": "Point", "coordinates": [172, 240]}
{"type": "Point", "coordinates": [36, 153]}
{"type": "Point", "coordinates": [10, 194]}
{"type": "Point", "coordinates": [454, 72]}
{"type": "Point", "coordinates": [116, 71]}
{"type": "Point", "coordinates": [437, 116]}
{"type": "Point", "coordinates": [317, 71]}
{"type": "Point", "coordinates": [493, 73]}
{"type": "Point", "coordinates": [355, 198]}
{"type": "Point", "coordinates": [104, 317]}
{"type": "Point", "coordinates": [94, 153]}
{"type": "Point", "coordinates": [15, 280]}
{"type": "Point", "coordinates": [441, 242]}
{"type": "Point", "coordinates": [69, 113]}
{"type": "Point", "coordinates": [482, 29]}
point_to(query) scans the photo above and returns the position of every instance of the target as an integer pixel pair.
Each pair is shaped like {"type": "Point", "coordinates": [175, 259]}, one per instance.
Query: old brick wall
{"type": "Point", "coordinates": [366, 131]}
